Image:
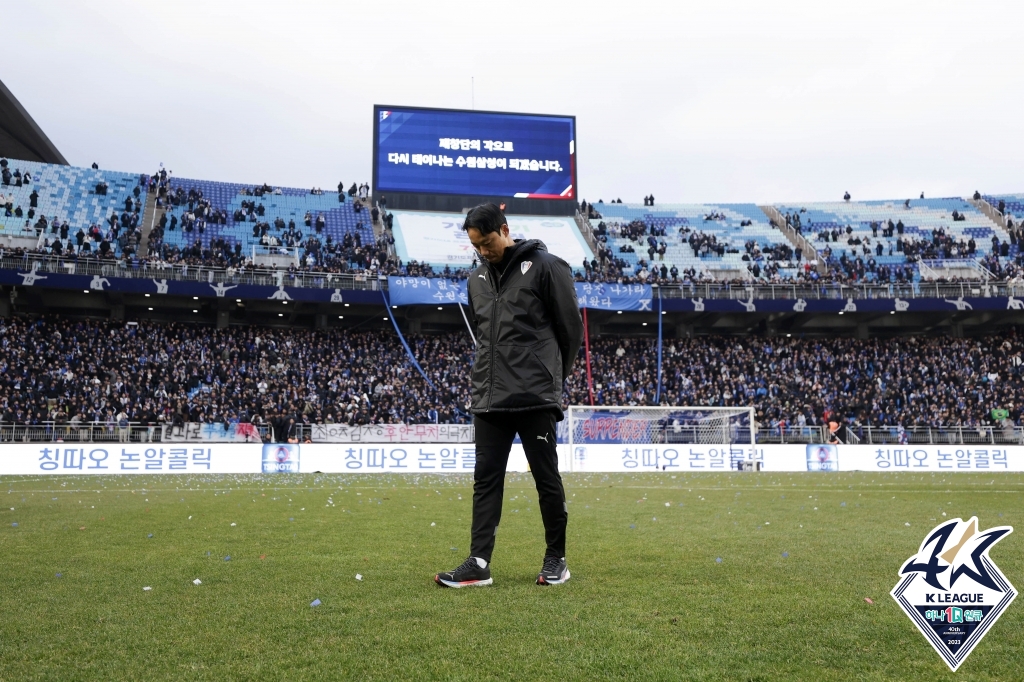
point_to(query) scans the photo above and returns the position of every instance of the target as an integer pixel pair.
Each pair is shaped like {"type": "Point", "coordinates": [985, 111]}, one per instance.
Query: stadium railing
{"type": "Point", "coordinates": [791, 434]}
{"type": "Point", "coordinates": [189, 273]}
{"type": "Point", "coordinates": [935, 435]}
{"type": "Point", "coordinates": [324, 280]}
{"type": "Point", "coordinates": [135, 432]}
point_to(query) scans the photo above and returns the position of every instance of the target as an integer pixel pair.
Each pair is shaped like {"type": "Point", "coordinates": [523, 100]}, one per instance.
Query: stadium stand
{"type": "Point", "coordinates": [886, 241]}
{"type": "Point", "coordinates": [1008, 204]}
{"type": "Point", "coordinates": [232, 218]}
{"type": "Point", "coordinates": [87, 371]}
{"type": "Point", "coordinates": [699, 241]}
{"type": "Point", "coordinates": [90, 212]}
{"type": "Point", "coordinates": [59, 201]}
{"type": "Point", "coordinates": [62, 370]}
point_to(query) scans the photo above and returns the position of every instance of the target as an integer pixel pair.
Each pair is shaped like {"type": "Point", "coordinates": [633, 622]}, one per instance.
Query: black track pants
{"type": "Point", "coordinates": [494, 435]}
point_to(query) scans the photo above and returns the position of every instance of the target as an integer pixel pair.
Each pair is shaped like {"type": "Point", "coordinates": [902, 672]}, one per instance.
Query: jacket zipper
{"type": "Point", "coordinates": [494, 317]}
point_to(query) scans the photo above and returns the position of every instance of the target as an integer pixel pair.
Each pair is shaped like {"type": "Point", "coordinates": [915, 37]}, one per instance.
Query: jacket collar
{"type": "Point", "coordinates": [520, 250]}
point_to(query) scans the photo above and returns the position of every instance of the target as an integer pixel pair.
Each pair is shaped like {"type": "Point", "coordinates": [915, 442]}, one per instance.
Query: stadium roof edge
{"type": "Point", "coordinates": [20, 136]}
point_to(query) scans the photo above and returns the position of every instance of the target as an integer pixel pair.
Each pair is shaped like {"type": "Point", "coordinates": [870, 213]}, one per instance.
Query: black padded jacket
{"type": "Point", "coordinates": [528, 331]}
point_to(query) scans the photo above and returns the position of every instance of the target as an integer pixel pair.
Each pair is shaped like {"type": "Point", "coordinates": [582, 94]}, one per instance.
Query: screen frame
{"type": "Point", "coordinates": [391, 107]}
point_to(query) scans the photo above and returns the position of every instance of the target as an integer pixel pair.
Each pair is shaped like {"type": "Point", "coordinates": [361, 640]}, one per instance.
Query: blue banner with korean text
{"type": "Point", "coordinates": [614, 296]}
{"type": "Point", "coordinates": [426, 291]}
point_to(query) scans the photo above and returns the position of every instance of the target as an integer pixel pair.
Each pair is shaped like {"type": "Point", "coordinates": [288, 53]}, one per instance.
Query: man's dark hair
{"type": "Point", "coordinates": [487, 218]}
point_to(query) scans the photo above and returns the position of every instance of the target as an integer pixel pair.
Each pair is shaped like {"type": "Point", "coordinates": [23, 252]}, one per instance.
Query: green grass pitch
{"type": "Point", "coordinates": [647, 599]}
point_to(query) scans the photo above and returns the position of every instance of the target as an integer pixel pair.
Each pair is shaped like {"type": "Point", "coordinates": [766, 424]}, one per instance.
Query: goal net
{"type": "Point", "coordinates": [661, 425]}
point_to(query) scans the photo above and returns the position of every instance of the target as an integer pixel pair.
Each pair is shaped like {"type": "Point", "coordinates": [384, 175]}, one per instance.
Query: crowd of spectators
{"type": "Point", "coordinates": [75, 372]}
{"type": "Point", "coordinates": [906, 381]}
{"type": "Point", "coordinates": [13, 178]}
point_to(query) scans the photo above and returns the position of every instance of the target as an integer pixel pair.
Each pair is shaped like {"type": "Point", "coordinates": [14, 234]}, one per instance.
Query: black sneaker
{"type": "Point", "coordinates": [469, 574]}
{"type": "Point", "coordinates": [554, 572]}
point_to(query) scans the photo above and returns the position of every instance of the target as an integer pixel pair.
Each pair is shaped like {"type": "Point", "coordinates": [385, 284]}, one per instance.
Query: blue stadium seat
{"type": "Point", "coordinates": [66, 193]}
{"type": "Point", "coordinates": [923, 216]}
{"type": "Point", "coordinates": [672, 217]}
{"type": "Point", "coordinates": [291, 204]}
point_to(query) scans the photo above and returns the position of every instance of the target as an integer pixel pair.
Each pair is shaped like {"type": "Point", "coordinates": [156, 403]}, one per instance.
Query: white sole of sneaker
{"type": "Point", "coordinates": [468, 583]}
{"type": "Point", "coordinates": [556, 582]}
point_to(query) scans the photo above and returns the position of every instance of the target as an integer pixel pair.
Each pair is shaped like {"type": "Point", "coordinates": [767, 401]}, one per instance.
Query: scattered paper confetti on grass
{"type": "Point", "coordinates": [624, 622]}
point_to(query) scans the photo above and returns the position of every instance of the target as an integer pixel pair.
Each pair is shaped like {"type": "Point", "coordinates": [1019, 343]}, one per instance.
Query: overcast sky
{"type": "Point", "coordinates": [711, 101]}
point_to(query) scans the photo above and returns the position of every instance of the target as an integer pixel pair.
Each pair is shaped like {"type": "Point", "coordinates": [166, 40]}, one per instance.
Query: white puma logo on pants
{"type": "Point", "coordinates": [543, 438]}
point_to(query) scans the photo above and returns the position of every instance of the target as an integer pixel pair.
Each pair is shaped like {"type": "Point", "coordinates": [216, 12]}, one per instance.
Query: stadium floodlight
{"type": "Point", "coordinates": [663, 426]}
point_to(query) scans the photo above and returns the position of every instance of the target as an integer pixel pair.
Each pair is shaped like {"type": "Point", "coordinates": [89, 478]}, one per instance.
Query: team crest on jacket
{"type": "Point", "coordinates": [952, 590]}
{"type": "Point", "coordinates": [525, 265]}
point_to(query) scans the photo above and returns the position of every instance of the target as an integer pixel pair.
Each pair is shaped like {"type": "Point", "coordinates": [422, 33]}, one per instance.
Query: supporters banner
{"type": "Point", "coordinates": [438, 291]}
{"type": "Point", "coordinates": [196, 432]}
{"type": "Point", "coordinates": [392, 433]}
{"type": "Point", "coordinates": [438, 238]}
{"type": "Point", "coordinates": [426, 291]}
{"type": "Point", "coordinates": [441, 458]}
{"type": "Point", "coordinates": [614, 296]}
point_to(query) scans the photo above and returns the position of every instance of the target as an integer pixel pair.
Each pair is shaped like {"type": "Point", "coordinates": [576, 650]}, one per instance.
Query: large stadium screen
{"type": "Point", "coordinates": [448, 151]}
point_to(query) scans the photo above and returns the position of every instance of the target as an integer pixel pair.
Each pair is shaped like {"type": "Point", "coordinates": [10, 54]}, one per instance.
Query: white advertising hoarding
{"type": "Point", "coordinates": [441, 458]}
{"type": "Point", "coordinates": [240, 458]}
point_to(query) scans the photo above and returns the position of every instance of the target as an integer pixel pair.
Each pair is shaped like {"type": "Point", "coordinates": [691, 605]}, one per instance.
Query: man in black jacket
{"type": "Point", "coordinates": [523, 304]}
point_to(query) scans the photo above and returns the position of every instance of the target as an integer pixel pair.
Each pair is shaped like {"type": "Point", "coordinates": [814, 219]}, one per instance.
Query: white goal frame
{"type": "Point", "coordinates": [666, 409]}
